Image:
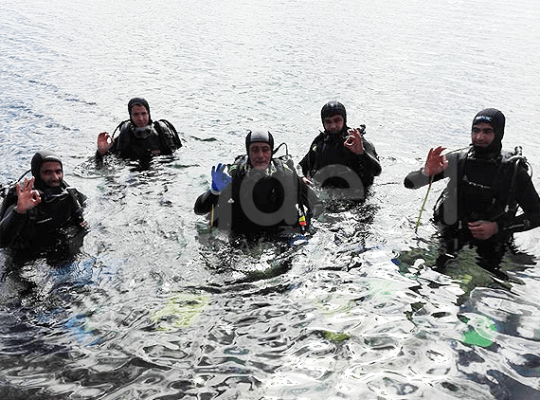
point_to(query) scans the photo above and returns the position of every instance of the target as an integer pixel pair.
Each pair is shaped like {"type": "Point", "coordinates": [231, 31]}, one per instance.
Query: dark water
{"type": "Point", "coordinates": [157, 306]}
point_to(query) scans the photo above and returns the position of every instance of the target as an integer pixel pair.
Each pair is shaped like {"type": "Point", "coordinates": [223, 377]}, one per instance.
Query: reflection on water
{"type": "Point", "coordinates": [465, 269]}
{"type": "Point", "coordinates": [159, 306]}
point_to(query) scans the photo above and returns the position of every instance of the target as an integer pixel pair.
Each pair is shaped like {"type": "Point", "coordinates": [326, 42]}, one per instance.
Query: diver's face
{"type": "Point", "coordinates": [482, 134]}
{"type": "Point", "coordinates": [334, 123]}
{"type": "Point", "coordinates": [51, 173]}
{"type": "Point", "coordinates": [260, 154]}
{"type": "Point", "coordinates": [139, 116]}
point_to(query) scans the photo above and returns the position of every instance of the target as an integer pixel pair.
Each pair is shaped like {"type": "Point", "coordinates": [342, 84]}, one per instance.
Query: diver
{"type": "Point", "coordinates": [341, 157]}
{"type": "Point", "coordinates": [140, 138]}
{"type": "Point", "coordinates": [487, 185]}
{"type": "Point", "coordinates": [259, 194]}
{"type": "Point", "coordinates": [43, 216]}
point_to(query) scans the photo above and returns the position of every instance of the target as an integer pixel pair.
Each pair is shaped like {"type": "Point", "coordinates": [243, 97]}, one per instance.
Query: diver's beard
{"type": "Point", "coordinates": [46, 188]}
{"type": "Point", "coordinates": [54, 185]}
{"type": "Point", "coordinates": [50, 194]}
{"type": "Point", "coordinates": [492, 149]}
{"type": "Point", "coordinates": [342, 131]}
{"type": "Point", "coordinates": [333, 132]}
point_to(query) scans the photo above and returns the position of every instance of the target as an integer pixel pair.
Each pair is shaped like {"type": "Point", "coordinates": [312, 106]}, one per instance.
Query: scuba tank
{"type": "Point", "coordinates": [518, 161]}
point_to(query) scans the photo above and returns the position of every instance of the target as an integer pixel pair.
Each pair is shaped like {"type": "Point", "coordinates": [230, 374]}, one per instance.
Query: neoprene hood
{"type": "Point", "coordinates": [37, 161]}
{"type": "Point", "coordinates": [139, 101]}
{"type": "Point", "coordinates": [493, 117]}
{"type": "Point", "coordinates": [497, 120]}
{"type": "Point", "coordinates": [331, 108]}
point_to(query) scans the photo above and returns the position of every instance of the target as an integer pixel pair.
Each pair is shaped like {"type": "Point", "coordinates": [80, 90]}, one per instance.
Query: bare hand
{"type": "Point", "coordinates": [104, 142]}
{"type": "Point", "coordinates": [354, 141]}
{"type": "Point", "coordinates": [27, 196]}
{"type": "Point", "coordinates": [483, 229]}
{"type": "Point", "coordinates": [435, 162]}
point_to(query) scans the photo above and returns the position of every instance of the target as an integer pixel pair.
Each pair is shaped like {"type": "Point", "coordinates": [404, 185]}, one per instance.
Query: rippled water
{"type": "Point", "coordinates": [159, 307]}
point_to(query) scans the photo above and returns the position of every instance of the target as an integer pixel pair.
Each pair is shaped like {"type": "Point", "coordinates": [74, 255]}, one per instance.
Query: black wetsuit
{"type": "Point", "coordinates": [158, 138]}
{"type": "Point", "coordinates": [52, 228]}
{"type": "Point", "coordinates": [328, 150]}
{"type": "Point", "coordinates": [486, 187]}
{"type": "Point", "coordinates": [255, 201]}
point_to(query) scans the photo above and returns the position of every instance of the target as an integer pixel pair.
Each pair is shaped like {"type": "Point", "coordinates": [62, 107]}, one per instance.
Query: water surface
{"type": "Point", "coordinates": [159, 307]}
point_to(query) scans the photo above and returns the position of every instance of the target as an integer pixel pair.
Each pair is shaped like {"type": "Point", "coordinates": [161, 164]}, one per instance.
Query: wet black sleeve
{"type": "Point", "coordinates": [304, 164]}
{"type": "Point", "coordinates": [79, 203]}
{"type": "Point", "coordinates": [417, 179]}
{"type": "Point", "coordinates": [308, 163]}
{"type": "Point", "coordinates": [204, 203]}
{"type": "Point", "coordinates": [82, 198]}
{"type": "Point", "coordinates": [370, 160]}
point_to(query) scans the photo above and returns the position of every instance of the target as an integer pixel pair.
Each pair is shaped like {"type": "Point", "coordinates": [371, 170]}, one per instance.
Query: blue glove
{"type": "Point", "coordinates": [220, 179]}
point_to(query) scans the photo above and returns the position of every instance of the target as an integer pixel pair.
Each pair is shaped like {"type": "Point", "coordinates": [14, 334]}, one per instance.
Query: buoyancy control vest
{"type": "Point", "coordinates": [329, 149]}
{"type": "Point", "coordinates": [332, 165]}
{"type": "Point", "coordinates": [264, 200]}
{"type": "Point", "coordinates": [158, 138]}
{"type": "Point", "coordinates": [482, 189]}
{"type": "Point", "coordinates": [50, 226]}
